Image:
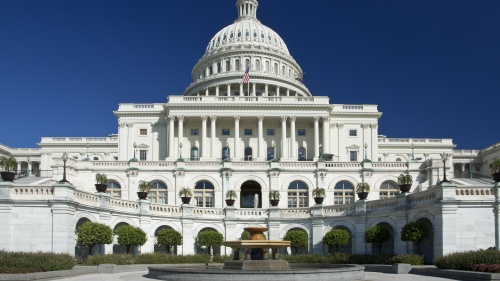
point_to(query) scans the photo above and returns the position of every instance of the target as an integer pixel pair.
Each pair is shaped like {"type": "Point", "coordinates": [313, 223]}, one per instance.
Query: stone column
{"type": "Point", "coordinates": [187, 230]}
{"type": "Point", "coordinates": [7, 241]}
{"type": "Point", "coordinates": [326, 134]}
{"type": "Point", "coordinates": [206, 91]}
{"type": "Point", "coordinates": [266, 91]}
{"type": "Point", "coordinates": [340, 126]}
{"type": "Point", "coordinates": [277, 91]}
{"type": "Point", "coordinates": [316, 242]}
{"type": "Point", "coordinates": [180, 133]}
{"type": "Point", "coordinates": [130, 137]}
{"type": "Point", "coordinates": [213, 137]}
{"type": "Point", "coordinates": [204, 148]}
{"type": "Point", "coordinates": [241, 89]}
{"type": "Point", "coordinates": [316, 137]}
{"type": "Point", "coordinates": [260, 140]}
{"type": "Point", "coordinates": [236, 153]}
{"type": "Point", "coordinates": [63, 216]}
{"type": "Point", "coordinates": [293, 147]}
{"type": "Point", "coordinates": [217, 91]}
{"type": "Point", "coordinates": [374, 142]}
{"type": "Point", "coordinates": [284, 147]}
{"type": "Point", "coordinates": [171, 131]}
{"type": "Point", "coordinates": [254, 89]}
{"type": "Point", "coordinates": [228, 90]}
{"type": "Point", "coordinates": [131, 190]}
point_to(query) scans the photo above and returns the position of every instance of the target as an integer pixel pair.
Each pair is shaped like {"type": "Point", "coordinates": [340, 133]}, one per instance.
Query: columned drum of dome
{"type": "Point", "coordinates": [247, 43]}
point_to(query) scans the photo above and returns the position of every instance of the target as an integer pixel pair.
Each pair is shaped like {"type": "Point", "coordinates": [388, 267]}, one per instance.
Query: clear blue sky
{"type": "Point", "coordinates": [432, 66]}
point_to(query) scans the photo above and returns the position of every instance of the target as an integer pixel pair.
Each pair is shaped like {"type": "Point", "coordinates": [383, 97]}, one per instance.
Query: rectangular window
{"type": "Point", "coordinates": [143, 132]}
{"type": "Point", "coordinates": [248, 132]}
{"type": "Point", "coordinates": [226, 132]}
{"type": "Point", "coordinates": [142, 155]}
{"type": "Point", "coordinates": [194, 132]}
{"type": "Point", "coordinates": [353, 156]}
{"type": "Point", "coordinates": [353, 133]}
{"type": "Point", "coordinates": [301, 132]}
{"type": "Point", "coordinates": [270, 132]}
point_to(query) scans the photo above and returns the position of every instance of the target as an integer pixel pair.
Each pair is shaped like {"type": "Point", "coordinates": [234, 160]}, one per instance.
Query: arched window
{"type": "Point", "coordinates": [276, 69]}
{"type": "Point", "coordinates": [226, 152]}
{"type": "Point", "coordinates": [266, 69]}
{"type": "Point", "coordinates": [237, 65]}
{"type": "Point", "coordinates": [270, 153]}
{"type": "Point", "coordinates": [398, 159]}
{"type": "Point", "coordinates": [247, 63]}
{"type": "Point", "coordinates": [297, 195]}
{"type": "Point", "coordinates": [344, 193]}
{"type": "Point", "coordinates": [158, 193]}
{"type": "Point", "coordinates": [388, 189]}
{"type": "Point", "coordinates": [96, 158]}
{"type": "Point", "coordinates": [204, 194]}
{"type": "Point", "coordinates": [302, 154]}
{"type": "Point", "coordinates": [248, 154]}
{"type": "Point", "coordinates": [257, 65]}
{"type": "Point", "coordinates": [219, 67]}
{"type": "Point", "coordinates": [194, 154]}
{"type": "Point", "coordinates": [228, 66]}
{"type": "Point", "coordinates": [283, 70]}
{"type": "Point", "coordinates": [114, 189]}
{"type": "Point", "coordinates": [210, 70]}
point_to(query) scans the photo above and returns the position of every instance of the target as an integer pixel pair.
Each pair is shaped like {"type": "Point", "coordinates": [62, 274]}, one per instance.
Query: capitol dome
{"type": "Point", "coordinates": [247, 45]}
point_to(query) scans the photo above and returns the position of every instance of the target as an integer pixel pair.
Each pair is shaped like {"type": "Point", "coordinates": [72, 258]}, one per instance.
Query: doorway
{"type": "Point", "coordinates": [251, 195]}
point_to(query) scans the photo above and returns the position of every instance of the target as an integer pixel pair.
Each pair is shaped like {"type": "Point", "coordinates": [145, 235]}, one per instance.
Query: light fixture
{"type": "Point", "coordinates": [64, 159]}
{"type": "Point", "coordinates": [444, 157]}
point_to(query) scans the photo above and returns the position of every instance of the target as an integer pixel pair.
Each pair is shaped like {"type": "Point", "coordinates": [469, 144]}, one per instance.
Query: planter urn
{"type": "Point", "coordinates": [230, 202]}
{"type": "Point", "coordinates": [496, 177]}
{"type": "Point", "coordinates": [101, 187]}
{"type": "Point", "coordinates": [8, 176]}
{"type": "Point", "coordinates": [318, 200]}
{"type": "Point", "coordinates": [362, 195]}
{"type": "Point", "coordinates": [274, 203]}
{"type": "Point", "coordinates": [142, 195]}
{"type": "Point", "coordinates": [186, 200]}
{"type": "Point", "coordinates": [404, 188]}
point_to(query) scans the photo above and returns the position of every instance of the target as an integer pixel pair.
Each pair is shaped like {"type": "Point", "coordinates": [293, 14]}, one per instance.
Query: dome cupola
{"type": "Point", "coordinates": [247, 9]}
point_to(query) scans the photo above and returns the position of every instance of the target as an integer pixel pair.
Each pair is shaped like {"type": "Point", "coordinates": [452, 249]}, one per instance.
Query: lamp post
{"type": "Point", "coordinates": [64, 158]}
{"type": "Point", "coordinates": [28, 172]}
{"type": "Point", "coordinates": [180, 150]}
{"type": "Point", "coordinates": [412, 154]}
{"type": "Point", "coordinates": [320, 152]}
{"type": "Point", "coordinates": [444, 157]}
{"type": "Point", "coordinates": [366, 151]}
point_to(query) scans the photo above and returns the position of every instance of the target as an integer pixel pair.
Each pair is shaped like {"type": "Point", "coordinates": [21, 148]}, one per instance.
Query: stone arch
{"type": "Point", "coordinates": [250, 194]}
{"type": "Point", "coordinates": [334, 181]}
{"type": "Point", "coordinates": [119, 249]}
{"type": "Point", "coordinates": [167, 181]}
{"type": "Point", "coordinates": [310, 184]}
{"type": "Point", "coordinates": [383, 179]}
{"type": "Point", "coordinates": [216, 183]}
{"type": "Point", "coordinates": [426, 248]}
{"type": "Point", "coordinates": [342, 249]}
{"type": "Point", "coordinates": [301, 250]}
{"type": "Point", "coordinates": [257, 179]}
{"type": "Point", "coordinates": [386, 247]}
{"type": "Point", "coordinates": [83, 250]}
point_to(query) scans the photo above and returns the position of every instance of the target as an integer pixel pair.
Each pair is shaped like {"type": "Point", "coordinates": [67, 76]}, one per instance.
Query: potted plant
{"type": "Point", "coordinates": [362, 190]}
{"type": "Point", "coordinates": [404, 182]}
{"type": "Point", "coordinates": [9, 166]}
{"type": "Point", "coordinates": [495, 170]}
{"type": "Point", "coordinates": [274, 197]}
{"type": "Point", "coordinates": [319, 195]}
{"type": "Point", "coordinates": [231, 195]}
{"type": "Point", "coordinates": [144, 187]}
{"type": "Point", "coordinates": [185, 194]}
{"type": "Point", "coordinates": [101, 182]}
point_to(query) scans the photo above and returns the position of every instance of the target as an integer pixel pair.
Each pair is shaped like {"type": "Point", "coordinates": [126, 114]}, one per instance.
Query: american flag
{"type": "Point", "coordinates": [246, 76]}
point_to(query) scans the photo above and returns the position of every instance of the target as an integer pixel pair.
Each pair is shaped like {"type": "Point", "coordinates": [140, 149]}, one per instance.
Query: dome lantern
{"type": "Point", "coordinates": [247, 9]}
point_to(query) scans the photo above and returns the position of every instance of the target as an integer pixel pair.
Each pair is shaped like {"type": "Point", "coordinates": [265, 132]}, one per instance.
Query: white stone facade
{"type": "Point", "coordinates": [268, 134]}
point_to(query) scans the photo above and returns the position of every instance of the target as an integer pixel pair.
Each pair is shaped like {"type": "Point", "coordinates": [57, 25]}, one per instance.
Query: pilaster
{"type": "Point", "coordinates": [63, 212]}
{"type": "Point", "coordinates": [6, 215]}
{"type": "Point", "coordinates": [317, 229]}
{"type": "Point", "coordinates": [132, 174]}
{"type": "Point", "coordinates": [188, 242]}
{"type": "Point", "coordinates": [358, 242]}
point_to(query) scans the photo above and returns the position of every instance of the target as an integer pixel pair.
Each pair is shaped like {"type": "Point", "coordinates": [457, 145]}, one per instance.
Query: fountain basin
{"type": "Point", "coordinates": [297, 272]}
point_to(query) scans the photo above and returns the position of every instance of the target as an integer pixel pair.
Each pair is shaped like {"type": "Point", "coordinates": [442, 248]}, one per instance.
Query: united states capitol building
{"type": "Point", "coordinates": [252, 136]}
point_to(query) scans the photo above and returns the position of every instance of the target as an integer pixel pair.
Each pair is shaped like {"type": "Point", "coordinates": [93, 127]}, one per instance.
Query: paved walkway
{"type": "Point", "coordinates": [139, 276]}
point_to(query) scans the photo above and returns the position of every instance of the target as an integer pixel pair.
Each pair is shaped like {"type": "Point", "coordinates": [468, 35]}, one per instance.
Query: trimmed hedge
{"type": "Point", "coordinates": [26, 262]}
{"type": "Point", "coordinates": [341, 258]}
{"type": "Point", "coordinates": [150, 259]}
{"type": "Point", "coordinates": [465, 260]}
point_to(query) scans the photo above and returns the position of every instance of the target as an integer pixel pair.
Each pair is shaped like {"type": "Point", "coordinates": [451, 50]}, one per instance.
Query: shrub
{"type": "Point", "coordinates": [341, 258]}
{"type": "Point", "coordinates": [156, 258]}
{"type": "Point", "coordinates": [404, 258]}
{"type": "Point", "coordinates": [337, 237]}
{"type": "Point", "coordinates": [209, 239]}
{"type": "Point", "coordinates": [493, 268]}
{"type": "Point", "coordinates": [25, 262]}
{"type": "Point", "coordinates": [298, 238]}
{"type": "Point", "coordinates": [118, 259]}
{"type": "Point", "coordinates": [93, 233]}
{"type": "Point", "coordinates": [415, 232]}
{"type": "Point", "coordinates": [465, 260]}
{"type": "Point", "coordinates": [169, 237]}
{"type": "Point", "coordinates": [131, 236]}
{"type": "Point", "coordinates": [377, 234]}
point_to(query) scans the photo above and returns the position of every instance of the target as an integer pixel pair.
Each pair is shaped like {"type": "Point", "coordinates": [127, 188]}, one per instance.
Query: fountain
{"type": "Point", "coordinates": [257, 265]}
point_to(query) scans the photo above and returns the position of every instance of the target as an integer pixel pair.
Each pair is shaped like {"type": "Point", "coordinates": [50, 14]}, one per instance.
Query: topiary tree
{"type": "Point", "coordinates": [415, 232]}
{"type": "Point", "coordinates": [130, 236]}
{"type": "Point", "coordinates": [337, 237]}
{"type": "Point", "coordinates": [169, 237]}
{"type": "Point", "coordinates": [209, 239]}
{"type": "Point", "coordinates": [298, 238]}
{"type": "Point", "coordinates": [93, 233]}
{"type": "Point", "coordinates": [377, 234]}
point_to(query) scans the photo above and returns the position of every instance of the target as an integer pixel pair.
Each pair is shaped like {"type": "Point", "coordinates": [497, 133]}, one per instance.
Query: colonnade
{"type": "Point", "coordinates": [288, 149]}
{"type": "Point", "coordinates": [251, 89]}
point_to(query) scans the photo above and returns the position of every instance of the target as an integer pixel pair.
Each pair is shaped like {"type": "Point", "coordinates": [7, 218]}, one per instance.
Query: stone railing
{"type": "Point", "coordinates": [298, 164]}
{"type": "Point", "coordinates": [33, 192]}
{"type": "Point", "coordinates": [338, 210]}
{"type": "Point", "coordinates": [87, 198]}
{"type": "Point", "coordinates": [398, 165]}
{"type": "Point", "coordinates": [124, 204]}
{"type": "Point", "coordinates": [161, 209]}
{"type": "Point", "coordinates": [208, 212]}
{"type": "Point", "coordinates": [429, 194]}
{"type": "Point", "coordinates": [157, 164]}
{"type": "Point", "coordinates": [474, 191]}
{"type": "Point", "coordinates": [382, 203]}
{"type": "Point", "coordinates": [246, 99]}
{"type": "Point", "coordinates": [252, 213]}
{"type": "Point", "coordinates": [295, 213]}
{"type": "Point", "coordinates": [343, 165]}
{"type": "Point", "coordinates": [109, 163]}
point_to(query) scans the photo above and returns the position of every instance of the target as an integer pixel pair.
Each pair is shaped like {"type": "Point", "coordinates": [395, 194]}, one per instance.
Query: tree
{"type": "Point", "coordinates": [93, 233]}
{"type": "Point", "coordinates": [130, 236]}
{"type": "Point", "coordinates": [209, 239]}
{"type": "Point", "coordinates": [169, 237]}
{"type": "Point", "coordinates": [298, 238]}
{"type": "Point", "coordinates": [377, 234]}
{"type": "Point", "coordinates": [415, 232]}
{"type": "Point", "coordinates": [337, 237]}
